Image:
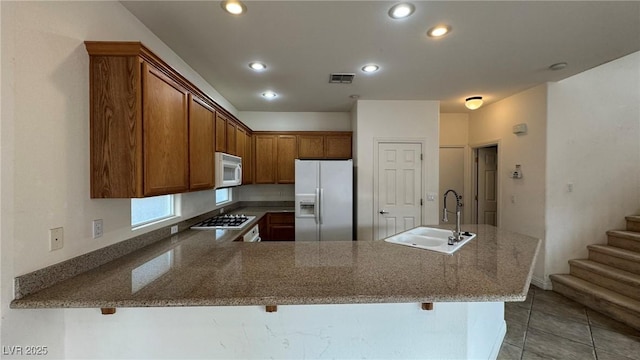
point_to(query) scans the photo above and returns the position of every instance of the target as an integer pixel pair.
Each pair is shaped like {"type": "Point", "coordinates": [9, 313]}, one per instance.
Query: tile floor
{"type": "Point", "coordinates": [550, 326]}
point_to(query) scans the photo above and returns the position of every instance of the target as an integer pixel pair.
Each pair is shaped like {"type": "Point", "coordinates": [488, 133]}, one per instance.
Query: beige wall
{"type": "Point", "coordinates": [593, 143]}
{"type": "Point", "coordinates": [414, 120]}
{"type": "Point", "coordinates": [521, 201]}
{"type": "Point", "coordinates": [454, 129]}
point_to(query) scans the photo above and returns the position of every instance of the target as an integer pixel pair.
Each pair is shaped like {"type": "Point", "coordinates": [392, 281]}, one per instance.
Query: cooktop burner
{"type": "Point", "coordinates": [226, 221]}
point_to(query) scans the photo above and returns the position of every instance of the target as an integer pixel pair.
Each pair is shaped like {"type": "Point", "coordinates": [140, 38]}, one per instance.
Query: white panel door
{"type": "Point", "coordinates": [399, 180]}
{"type": "Point", "coordinates": [487, 186]}
{"type": "Point", "coordinates": [452, 176]}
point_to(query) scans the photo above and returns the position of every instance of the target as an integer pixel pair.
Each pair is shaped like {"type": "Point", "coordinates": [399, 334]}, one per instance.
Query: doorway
{"type": "Point", "coordinates": [485, 185]}
{"type": "Point", "coordinates": [397, 188]}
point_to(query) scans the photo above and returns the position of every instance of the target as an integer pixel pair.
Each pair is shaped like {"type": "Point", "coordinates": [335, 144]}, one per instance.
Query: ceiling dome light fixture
{"type": "Point", "coordinates": [401, 10]}
{"type": "Point", "coordinates": [370, 68]}
{"type": "Point", "coordinates": [257, 66]}
{"type": "Point", "coordinates": [269, 94]}
{"type": "Point", "coordinates": [439, 31]}
{"type": "Point", "coordinates": [234, 7]}
{"type": "Point", "coordinates": [473, 102]}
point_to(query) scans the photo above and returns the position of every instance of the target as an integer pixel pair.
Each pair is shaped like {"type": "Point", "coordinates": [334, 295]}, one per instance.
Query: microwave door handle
{"type": "Point", "coordinates": [238, 172]}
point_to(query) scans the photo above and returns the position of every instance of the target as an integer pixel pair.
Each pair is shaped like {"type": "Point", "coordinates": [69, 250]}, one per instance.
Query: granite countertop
{"type": "Point", "coordinates": [199, 268]}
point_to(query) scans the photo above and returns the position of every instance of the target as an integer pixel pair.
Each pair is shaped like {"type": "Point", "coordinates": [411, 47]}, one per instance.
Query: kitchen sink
{"type": "Point", "coordinates": [429, 238]}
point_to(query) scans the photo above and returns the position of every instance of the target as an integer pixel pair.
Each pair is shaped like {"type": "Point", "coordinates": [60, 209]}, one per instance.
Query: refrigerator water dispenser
{"type": "Point", "coordinates": [305, 205]}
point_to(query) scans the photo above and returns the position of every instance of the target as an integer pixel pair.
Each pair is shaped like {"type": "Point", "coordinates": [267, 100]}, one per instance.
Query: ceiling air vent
{"type": "Point", "coordinates": [341, 78]}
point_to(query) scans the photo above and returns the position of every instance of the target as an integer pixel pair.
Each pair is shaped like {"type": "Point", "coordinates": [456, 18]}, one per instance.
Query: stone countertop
{"type": "Point", "coordinates": [206, 268]}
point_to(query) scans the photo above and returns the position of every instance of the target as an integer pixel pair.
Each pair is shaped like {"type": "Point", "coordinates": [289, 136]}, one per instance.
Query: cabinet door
{"type": "Point", "coordinates": [240, 148]}
{"type": "Point", "coordinates": [165, 134]}
{"type": "Point", "coordinates": [282, 226]}
{"type": "Point", "coordinates": [231, 137]}
{"type": "Point", "coordinates": [247, 160]}
{"type": "Point", "coordinates": [287, 145]}
{"type": "Point", "coordinates": [337, 147]}
{"type": "Point", "coordinates": [265, 159]}
{"type": "Point", "coordinates": [310, 146]}
{"type": "Point", "coordinates": [221, 133]}
{"type": "Point", "coordinates": [201, 145]}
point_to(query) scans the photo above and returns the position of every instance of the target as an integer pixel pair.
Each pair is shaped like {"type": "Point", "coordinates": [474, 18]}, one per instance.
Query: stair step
{"type": "Point", "coordinates": [616, 306]}
{"type": "Point", "coordinates": [629, 240]}
{"type": "Point", "coordinates": [618, 258]}
{"type": "Point", "coordinates": [633, 223]}
{"type": "Point", "coordinates": [620, 281]}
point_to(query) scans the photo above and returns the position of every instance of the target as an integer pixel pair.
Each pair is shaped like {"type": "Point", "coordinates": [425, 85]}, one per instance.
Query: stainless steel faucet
{"type": "Point", "coordinates": [457, 236]}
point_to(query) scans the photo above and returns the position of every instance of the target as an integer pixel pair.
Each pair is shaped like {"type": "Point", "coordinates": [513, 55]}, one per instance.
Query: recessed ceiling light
{"type": "Point", "coordinates": [558, 66]}
{"type": "Point", "coordinates": [439, 31]}
{"type": "Point", "coordinates": [269, 94]}
{"type": "Point", "coordinates": [234, 7]}
{"type": "Point", "coordinates": [473, 102]}
{"type": "Point", "coordinates": [370, 68]}
{"type": "Point", "coordinates": [402, 10]}
{"type": "Point", "coordinates": [258, 66]}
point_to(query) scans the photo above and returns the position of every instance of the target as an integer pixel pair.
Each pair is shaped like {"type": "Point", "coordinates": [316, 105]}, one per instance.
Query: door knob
{"type": "Point", "coordinates": [382, 212]}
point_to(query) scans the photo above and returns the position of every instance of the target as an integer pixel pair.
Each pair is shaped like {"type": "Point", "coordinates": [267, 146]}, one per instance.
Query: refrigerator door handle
{"type": "Point", "coordinates": [317, 206]}
{"type": "Point", "coordinates": [321, 210]}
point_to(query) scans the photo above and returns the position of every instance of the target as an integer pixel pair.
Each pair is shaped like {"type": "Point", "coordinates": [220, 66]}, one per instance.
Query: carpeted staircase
{"type": "Point", "coordinates": [609, 281]}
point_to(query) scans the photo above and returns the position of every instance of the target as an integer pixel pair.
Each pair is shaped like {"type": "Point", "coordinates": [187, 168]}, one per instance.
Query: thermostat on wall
{"type": "Point", "coordinates": [520, 129]}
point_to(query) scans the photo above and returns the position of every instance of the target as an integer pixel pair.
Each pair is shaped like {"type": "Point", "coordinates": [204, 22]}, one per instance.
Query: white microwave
{"type": "Point", "coordinates": [228, 170]}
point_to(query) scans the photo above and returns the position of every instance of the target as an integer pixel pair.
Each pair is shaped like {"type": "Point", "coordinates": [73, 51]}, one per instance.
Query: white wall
{"type": "Point", "coordinates": [296, 121]}
{"type": "Point", "coordinates": [415, 120]}
{"type": "Point", "coordinates": [593, 133]}
{"type": "Point", "coordinates": [45, 147]}
{"type": "Point", "coordinates": [521, 201]}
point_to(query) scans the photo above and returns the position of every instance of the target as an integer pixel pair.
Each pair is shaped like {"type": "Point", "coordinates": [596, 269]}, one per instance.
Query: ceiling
{"type": "Point", "coordinates": [495, 49]}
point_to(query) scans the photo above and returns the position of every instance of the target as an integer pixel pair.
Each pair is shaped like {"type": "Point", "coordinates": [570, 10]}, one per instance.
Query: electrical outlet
{"type": "Point", "coordinates": [174, 229]}
{"type": "Point", "coordinates": [97, 228]}
{"type": "Point", "coordinates": [431, 197]}
{"type": "Point", "coordinates": [56, 239]}
{"type": "Point", "coordinates": [221, 210]}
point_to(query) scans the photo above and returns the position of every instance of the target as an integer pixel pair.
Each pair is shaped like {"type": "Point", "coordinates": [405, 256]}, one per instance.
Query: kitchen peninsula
{"type": "Point", "coordinates": [389, 282]}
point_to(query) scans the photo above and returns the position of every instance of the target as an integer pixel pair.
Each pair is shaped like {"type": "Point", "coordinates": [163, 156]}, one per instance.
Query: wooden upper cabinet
{"type": "Point", "coordinates": [337, 146]}
{"type": "Point", "coordinates": [165, 134]}
{"type": "Point", "coordinates": [147, 135]}
{"type": "Point", "coordinates": [201, 145]}
{"type": "Point", "coordinates": [240, 148]}
{"type": "Point", "coordinates": [231, 137]}
{"type": "Point", "coordinates": [311, 146]}
{"type": "Point", "coordinates": [324, 145]}
{"type": "Point", "coordinates": [265, 158]}
{"type": "Point", "coordinates": [247, 160]}
{"type": "Point", "coordinates": [221, 133]}
{"type": "Point", "coordinates": [286, 155]}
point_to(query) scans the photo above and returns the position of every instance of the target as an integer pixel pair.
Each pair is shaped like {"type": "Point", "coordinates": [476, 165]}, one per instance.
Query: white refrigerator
{"type": "Point", "coordinates": [324, 200]}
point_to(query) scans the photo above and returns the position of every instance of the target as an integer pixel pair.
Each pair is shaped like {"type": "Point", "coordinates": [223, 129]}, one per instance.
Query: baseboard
{"type": "Point", "coordinates": [542, 283]}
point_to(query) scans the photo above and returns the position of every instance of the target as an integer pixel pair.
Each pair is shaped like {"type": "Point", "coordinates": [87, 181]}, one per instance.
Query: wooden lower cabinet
{"type": "Point", "coordinates": [278, 226]}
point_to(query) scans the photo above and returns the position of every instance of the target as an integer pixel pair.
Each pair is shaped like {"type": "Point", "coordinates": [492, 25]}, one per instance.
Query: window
{"type": "Point", "coordinates": [148, 210]}
{"type": "Point", "coordinates": [223, 196]}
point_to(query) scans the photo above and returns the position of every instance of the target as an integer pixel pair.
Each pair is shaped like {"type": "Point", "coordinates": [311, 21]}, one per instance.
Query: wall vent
{"type": "Point", "coordinates": [341, 78]}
